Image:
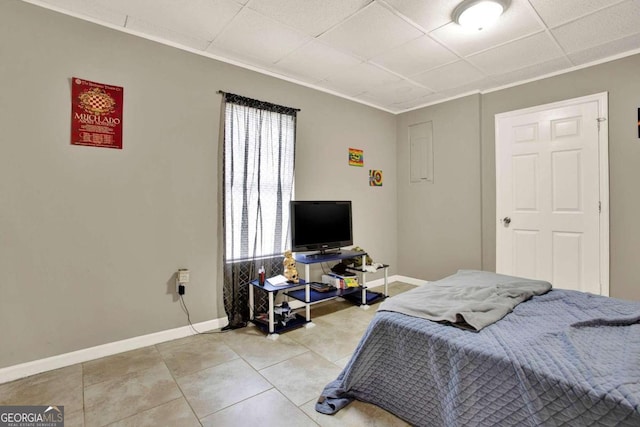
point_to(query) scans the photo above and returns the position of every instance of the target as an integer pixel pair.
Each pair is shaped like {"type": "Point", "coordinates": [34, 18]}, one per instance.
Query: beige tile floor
{"type": "Point", "coordinates": [236, 378]}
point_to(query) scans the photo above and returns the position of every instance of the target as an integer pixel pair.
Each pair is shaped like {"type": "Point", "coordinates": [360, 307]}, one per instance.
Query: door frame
{"type": "Point", "coordinates": [603, 155]}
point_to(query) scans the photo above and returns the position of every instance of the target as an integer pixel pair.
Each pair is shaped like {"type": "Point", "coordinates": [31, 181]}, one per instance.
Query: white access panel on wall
{"type": "Point", "coordinates": [552, 194]}
{"type": "Point", "coordinates": [421, 152]}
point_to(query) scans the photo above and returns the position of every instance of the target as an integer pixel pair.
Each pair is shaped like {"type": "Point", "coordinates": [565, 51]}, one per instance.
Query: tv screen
{"type": "Point", "coordinates": [320, 225]}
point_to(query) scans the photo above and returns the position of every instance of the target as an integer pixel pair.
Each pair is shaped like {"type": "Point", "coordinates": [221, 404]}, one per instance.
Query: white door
{"type": "Point", "coordinates": [552, 194]}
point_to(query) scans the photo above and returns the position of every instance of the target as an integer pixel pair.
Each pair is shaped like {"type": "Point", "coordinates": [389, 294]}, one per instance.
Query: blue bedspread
{"type": "Point", "coordinates": [531, 368]}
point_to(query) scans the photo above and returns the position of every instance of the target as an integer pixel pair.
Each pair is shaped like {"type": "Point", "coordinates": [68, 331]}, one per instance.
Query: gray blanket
{"type": "Point", "coordinates": [564, 358]}
{"type": "Point", "coordinates": [469, 299]}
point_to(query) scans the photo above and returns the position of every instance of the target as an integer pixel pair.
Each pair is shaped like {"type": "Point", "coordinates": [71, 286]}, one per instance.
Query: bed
{"type": "Point", "coordinates": [559, 358]}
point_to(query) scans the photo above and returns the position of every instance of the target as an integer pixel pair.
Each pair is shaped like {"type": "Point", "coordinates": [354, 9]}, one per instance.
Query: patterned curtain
{"type": "Point", "coordinates": [259, 152]}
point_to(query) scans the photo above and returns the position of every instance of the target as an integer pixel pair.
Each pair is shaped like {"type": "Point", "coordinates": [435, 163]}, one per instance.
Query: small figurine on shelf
{"type": "Point", "coordinates": [283, 313]}
{"type": "Point", "coordinates": [290, 271]}
{"type": "Point", "coordinates": [357, 261]}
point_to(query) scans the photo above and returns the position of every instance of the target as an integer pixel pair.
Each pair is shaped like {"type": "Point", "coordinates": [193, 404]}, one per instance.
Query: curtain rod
{"type": "Point", "coordinates": [221, 92]}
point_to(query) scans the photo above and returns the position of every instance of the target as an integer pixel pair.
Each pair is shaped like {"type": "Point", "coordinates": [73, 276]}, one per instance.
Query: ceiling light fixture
{"type": "Point", "coordinates": [479, 14]}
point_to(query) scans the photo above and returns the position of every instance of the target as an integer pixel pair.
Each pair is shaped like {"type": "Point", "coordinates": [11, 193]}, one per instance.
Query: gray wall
{"type": "Point", "coordinates": [438, 223]}
{"type": "Point", "coordinates": [620, 79]}
{"type": "Point", "coordinates": [90, 238]}
{"type": "Point", "coordinates": [439, 227]}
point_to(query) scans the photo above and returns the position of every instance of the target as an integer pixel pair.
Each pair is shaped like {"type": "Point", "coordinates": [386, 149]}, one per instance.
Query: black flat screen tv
{"type": "Point", "coordinates": [320, 225]}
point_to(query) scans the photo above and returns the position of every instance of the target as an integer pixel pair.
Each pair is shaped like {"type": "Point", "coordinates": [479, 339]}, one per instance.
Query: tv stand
{"type": "Point", "coordinates": [359, 295]}
{"type": "Point", "coordinates": [304, 293]}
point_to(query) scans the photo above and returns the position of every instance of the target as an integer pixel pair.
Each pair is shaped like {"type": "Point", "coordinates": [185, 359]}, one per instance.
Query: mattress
{"type": "Point", "coordinates": [562, 358]}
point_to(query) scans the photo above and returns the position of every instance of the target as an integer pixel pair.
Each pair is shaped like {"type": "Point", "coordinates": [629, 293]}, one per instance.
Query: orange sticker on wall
{"type": "Point", "coordinates": [96, 114]}
{"type": "Point", "coordinates": [375, 178]}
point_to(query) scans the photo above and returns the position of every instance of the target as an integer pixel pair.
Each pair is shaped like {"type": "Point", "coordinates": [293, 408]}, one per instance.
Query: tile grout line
{"type": "Point", "coordinates": [133, 374]}
{"type": "Point", "coordinates": [273, 386]}
{"type": "Point", "coordinates": [175, 380]}
{"type": "Point", "coordinates": [246, 398]}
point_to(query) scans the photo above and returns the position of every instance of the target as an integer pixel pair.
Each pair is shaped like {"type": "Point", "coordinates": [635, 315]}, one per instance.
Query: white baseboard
{"type": "Point", "coordinates": [22, 370]}
{"type": "Point", "coordinates": [396, 278]}
{"type": "Point", "coordinates": [408, 280]}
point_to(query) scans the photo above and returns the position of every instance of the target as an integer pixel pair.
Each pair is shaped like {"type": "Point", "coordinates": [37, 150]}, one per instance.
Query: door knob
{"type": "Point", "coordinates": [506, 220]}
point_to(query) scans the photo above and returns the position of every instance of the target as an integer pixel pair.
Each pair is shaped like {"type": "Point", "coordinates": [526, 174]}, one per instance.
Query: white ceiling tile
{"type": "Point", "coordinates": [610, 24]}
{"type": "Point", "coordinates": [417, 103]}
{"type": "Point", "coordinates": [139, 8]}
{"type": "Point", "coordinates": [554, 12]}
{"type": "Point", "coordinates": [92, 9]}
{"type": "Point", "coordinates": [371, 31]}
{"type": "Point", "coordinates": [449, 76]}
{"type": "Point", "coordinates": [533, 71]}
{"type": "Point", "coordinates": [255, 35]}
{"type": "Point", "coordinates": [343, 90]}
{"type": "Point", "coordinates": [394, 93]}
{"type": "Point", "coordinates": [468, 88]}
{"type": "Point", "coordinates": [429, 14]}
{"type": "Point", "coordinates": [517, 21]}
{"type": "Point", "coordinates": [518, 54]}
{"type": "Point", "coordinates": [626, 44]}
{"type": "Point", "coordinates": [227, 55]}
{"type": "Point", "coordinates": [202, 19]}
{"type": "Point", "coordinates": [313, 17]}
{"type": "Point", "coordinates": [315, 61]}
{"type": "Point", "coordinates": [166, 34]}
{"type": "Point", "coordinates": [199, 19]}
{"type": "Point", "coordinates": [358, 79]}
{"type": "Point", "coordinates": [415, 56]}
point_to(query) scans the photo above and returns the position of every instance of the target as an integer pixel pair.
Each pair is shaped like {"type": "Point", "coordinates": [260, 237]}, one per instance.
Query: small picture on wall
{"type": "Point", "coordinates": [375, 178]}
{"type": "Point", "coordinates": [356, 157]}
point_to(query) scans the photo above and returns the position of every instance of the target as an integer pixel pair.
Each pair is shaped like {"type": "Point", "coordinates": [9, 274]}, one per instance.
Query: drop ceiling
{"type": "Point", "coordinates": [396, 55]}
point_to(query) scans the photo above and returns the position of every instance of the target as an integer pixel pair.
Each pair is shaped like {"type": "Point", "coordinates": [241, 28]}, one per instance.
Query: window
{"type": "Point", "coordinates": [258, 178]}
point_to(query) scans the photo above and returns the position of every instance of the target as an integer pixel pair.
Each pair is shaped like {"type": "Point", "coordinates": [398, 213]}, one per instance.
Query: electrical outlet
{"type": "Point", "coordinates": [183, 275]}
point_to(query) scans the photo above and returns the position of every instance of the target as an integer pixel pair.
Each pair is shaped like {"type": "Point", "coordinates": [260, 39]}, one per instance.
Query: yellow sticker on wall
{"type": "Point", "coordinates": [356, 157]}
